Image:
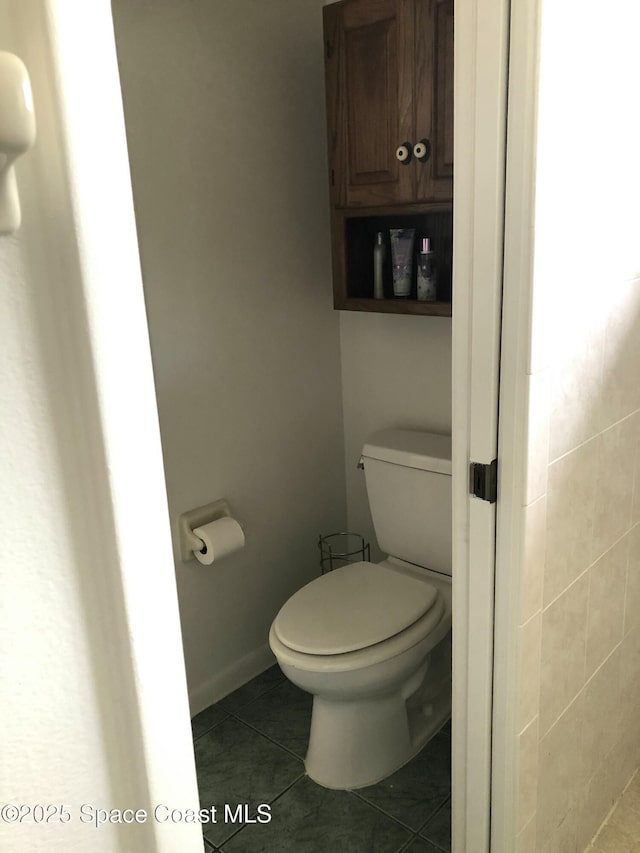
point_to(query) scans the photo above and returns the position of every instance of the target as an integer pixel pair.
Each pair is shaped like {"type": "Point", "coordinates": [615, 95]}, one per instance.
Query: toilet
{"type": "Point", "coordinates": [372, 641]}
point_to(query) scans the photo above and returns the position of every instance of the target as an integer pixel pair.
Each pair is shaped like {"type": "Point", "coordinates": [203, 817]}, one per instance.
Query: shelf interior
{"type": "Point", "coordinates": [360, 238]}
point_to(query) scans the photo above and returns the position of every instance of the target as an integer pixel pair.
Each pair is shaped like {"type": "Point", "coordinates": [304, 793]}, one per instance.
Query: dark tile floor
{"type": "Point", "coordinates": [249, 750]}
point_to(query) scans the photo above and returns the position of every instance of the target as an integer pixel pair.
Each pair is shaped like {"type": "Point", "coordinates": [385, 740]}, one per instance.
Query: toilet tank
{"type": "Point", "coordinates": [408, 476]}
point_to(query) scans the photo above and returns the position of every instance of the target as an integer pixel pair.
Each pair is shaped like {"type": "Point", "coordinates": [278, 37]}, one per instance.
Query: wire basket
{"type": "Point", "coordinates": [338, 549]}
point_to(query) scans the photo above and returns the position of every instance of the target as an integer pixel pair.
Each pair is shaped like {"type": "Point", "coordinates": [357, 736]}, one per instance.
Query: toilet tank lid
{"type": "Point", "coordinates": [411, 448]}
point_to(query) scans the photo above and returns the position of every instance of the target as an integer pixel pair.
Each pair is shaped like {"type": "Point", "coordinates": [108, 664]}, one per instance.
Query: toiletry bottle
{"type": "Point", "coordinates": [402, 240]}
{"type": "Point", "coordinates": [427, 291]}
{"type": "Point", "coordinates": [378, 261]}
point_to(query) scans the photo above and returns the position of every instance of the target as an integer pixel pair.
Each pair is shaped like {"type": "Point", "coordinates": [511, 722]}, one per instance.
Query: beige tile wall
{"type": "Point", "coordinates": [621, 832]}
{"type": "Point", "coordinates": [579, 732]}
{"type": "Point", "coordinates": [579, 634]}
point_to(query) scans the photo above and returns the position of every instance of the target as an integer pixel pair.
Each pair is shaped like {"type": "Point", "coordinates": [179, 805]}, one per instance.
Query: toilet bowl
{"type": "Point", "coordinates": [361, 640]}
{"type": "Point", "coordinates": [372, 641]}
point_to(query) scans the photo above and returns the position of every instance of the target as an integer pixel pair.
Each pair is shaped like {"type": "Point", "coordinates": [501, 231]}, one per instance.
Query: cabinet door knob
{"type": "Point", "coordinates": [404, 152]}
{"type": "Point", "coordinates": [422, 150]}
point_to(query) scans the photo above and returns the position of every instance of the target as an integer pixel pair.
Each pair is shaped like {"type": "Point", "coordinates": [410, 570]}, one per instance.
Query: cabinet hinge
{"type": "Point", "coordinates": [329, 48]}
{"type": "Point", "coordinates": [484, 480]}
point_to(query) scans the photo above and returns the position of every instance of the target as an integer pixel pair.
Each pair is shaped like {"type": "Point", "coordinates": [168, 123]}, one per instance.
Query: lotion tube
{"type": "Point", "coordinates": [401, 257]}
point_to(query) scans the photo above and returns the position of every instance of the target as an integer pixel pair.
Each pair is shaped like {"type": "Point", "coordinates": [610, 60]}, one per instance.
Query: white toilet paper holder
{"type": "Point", "coordinates": [189, 542]}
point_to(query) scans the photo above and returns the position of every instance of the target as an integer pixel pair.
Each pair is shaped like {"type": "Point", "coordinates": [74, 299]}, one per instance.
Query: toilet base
{"type": "Point", "coordinates": [358, 743]}
{"type": "Point", "coordinates": [375, 708]}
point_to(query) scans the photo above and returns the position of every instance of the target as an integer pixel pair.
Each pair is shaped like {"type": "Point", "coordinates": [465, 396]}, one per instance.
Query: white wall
{"type": "Point", "coordinates": [396, 372]}
{"type": "Point", "coordinates": [224, 107]}
{"type": "Point", "coordinates": [86, 717]}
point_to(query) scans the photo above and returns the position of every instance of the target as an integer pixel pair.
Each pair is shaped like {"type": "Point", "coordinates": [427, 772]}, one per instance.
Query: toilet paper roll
{"type": "Point", "coordinates": [220, 537]}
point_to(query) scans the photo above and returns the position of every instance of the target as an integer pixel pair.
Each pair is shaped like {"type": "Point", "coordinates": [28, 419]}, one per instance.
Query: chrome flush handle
{"type": "Point", "coordinates": [360, 464]}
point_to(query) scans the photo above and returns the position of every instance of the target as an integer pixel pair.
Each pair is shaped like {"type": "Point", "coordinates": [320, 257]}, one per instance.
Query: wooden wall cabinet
{"type": "Point", "coordinates": [389, 86]}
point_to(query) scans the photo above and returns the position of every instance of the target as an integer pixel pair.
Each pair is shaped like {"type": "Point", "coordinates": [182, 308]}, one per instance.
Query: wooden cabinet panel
{"type": "Point", "coordinates": [389, 80]}
{"type": "Point", "coordinates": [434, 97]}
{"type": "Point", "coordinates": [443, 165]}
{"type": "Point", "coordinates": [369, 83]}
{"type": "Point", "coordinates": [372, 106]}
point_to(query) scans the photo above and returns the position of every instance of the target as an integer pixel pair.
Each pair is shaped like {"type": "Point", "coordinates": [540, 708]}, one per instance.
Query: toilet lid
{"type": "Point", "coordinates": [352, 608]}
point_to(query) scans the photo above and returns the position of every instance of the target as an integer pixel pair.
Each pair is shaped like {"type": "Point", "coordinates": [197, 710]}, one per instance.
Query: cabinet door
{"type": "Point", "coordinates": [434, 97]}
{"type": "Point", "coordinates": [370, 100]}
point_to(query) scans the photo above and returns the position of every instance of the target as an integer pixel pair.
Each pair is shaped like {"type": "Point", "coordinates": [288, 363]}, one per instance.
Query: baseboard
{"type": "Point", "coordinates": [234, 676]}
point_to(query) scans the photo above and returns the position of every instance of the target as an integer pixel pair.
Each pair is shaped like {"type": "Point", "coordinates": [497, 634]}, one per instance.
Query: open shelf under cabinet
{"type": "Point", "coordinates": [354, 237]}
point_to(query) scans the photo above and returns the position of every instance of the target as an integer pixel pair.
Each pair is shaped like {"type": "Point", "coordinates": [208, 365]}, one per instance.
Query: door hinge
{"type": "Point", "coordinates": [329, 48]}
{"type": "Point", "coordinates": [484, 480]}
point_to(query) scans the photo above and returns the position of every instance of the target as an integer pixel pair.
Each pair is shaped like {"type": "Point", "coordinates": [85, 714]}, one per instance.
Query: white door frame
{"type": "Point", "coordinates": [514, 390]}
{"type": "Point", "coordinates": [481, 68]}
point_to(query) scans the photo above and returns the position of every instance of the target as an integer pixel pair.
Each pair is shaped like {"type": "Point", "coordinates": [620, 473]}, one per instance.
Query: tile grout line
{"type": "Point", "coordinates": [606, 822]}
{"type": "Point", "coordinates": [431, 817]}
{"type": "Point", "coordinates": [251, 701]}
{"type": "Point", "coordinates": [592, 438]}
{"type": "Point", "coordinates": [271, 802]}
{"type": "Point", "coordinates": [380, 810]}
{"type": "Point", "coordinates": [586, 683]}
{"type": "Point", "coordinates": [232, 713]}
{"type": "Point", "coordinates": [231, 716]}
{"type": "Point", "coordinates": [211, 728]}
{"type": "Point", "coordinates": [266, 737]}
{"type": "Point", "coordinates": [288, 788]}
{"type": "Point", "coordinates": [426, 837]}
{"type": "Point", "coordinates": [439, 735]}
{"type": "Point", "coordinates": [416, 837]}
{"type": "Point", "coordinates": [407, 844]}
{"type": "Point", "coordinates": [433, 844]}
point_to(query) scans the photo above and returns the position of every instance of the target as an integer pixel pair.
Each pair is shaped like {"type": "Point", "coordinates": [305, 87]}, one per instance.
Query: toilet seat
{"type": "Point", "coordinates": [430, 629]}
{"type": "Point", "coordinates": [348, 610]}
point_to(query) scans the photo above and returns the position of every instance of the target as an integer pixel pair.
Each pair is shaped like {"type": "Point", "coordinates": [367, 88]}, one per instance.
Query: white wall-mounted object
{"type": "Point", "coordinates": [17, 134]}
{"type": "Point", "coordinates": [205, 537]}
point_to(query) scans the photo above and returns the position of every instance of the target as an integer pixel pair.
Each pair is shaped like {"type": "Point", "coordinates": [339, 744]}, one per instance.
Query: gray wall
{"type": "Point", "coordinates": [224, 105]}
{"type": "Point", "coordinates": [226, 128]}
